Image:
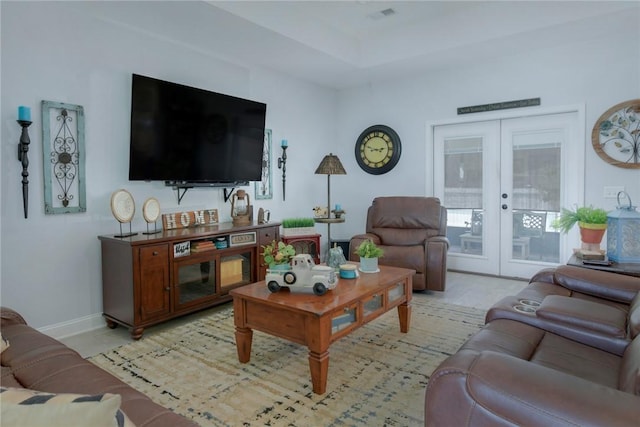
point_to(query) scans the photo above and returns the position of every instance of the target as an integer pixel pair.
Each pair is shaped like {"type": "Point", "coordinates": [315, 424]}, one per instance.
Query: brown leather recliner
{"type": "Point", "coordinates": [412, 233]}
{"type": "Point", "coordinates": [596, 308]}
{"type": "Point", "coordinates": [564, 351]}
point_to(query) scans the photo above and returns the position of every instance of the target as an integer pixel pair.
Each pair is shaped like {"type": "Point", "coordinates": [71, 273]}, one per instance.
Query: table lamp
{"type": "Point", "coordinates": [330, 165]}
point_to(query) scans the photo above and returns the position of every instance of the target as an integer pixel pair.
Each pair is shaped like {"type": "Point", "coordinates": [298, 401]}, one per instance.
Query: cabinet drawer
{"type": "Point", "coordinates": [373, 306]}
{"type": "Point", "coordinates": [344, 320]}
{"type": "Point", "coordinates": [267, 235]}
{"type": "Point", "coordinates": [156, 254]}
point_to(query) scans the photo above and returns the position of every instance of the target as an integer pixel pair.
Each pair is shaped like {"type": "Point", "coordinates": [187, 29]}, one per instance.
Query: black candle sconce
{"type": "Point", "coordinates": [282, 164]}
{"type": "Point", "coordinates": [24, 119]}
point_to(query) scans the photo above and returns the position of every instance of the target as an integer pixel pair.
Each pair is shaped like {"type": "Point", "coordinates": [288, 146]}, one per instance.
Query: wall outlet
{"type": "Point", "coordinates": [612, 192]}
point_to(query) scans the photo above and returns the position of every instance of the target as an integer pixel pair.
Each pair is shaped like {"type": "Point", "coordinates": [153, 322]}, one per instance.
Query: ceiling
{"type": "Point", "coordinates": [340, 44]}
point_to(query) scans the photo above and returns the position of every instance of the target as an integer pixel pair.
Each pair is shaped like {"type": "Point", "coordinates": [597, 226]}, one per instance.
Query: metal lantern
{"type": "Point", "coordinates": [623, 233]}
{"type": "Point", "coordinates": [241, 208]}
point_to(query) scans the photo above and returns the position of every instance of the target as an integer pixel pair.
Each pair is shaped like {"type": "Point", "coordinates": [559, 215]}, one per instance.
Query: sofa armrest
{"type": "Point", "coordinates": [11, 317]}
{"type": "Point", "coordinates": [444, 240]}
{"type": "Point", "coordinates": [545, 275]}
{"type": "Point", "coordinates": [602, 284]}
{"type": "Point", "coordinates": [435, 252]}
{"type": "Point", "coordinates": [489, 388]}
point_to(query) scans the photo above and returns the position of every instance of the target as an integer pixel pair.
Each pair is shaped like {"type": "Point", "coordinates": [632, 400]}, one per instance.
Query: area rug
{"type": "Point", "coordinates": [377, 375]}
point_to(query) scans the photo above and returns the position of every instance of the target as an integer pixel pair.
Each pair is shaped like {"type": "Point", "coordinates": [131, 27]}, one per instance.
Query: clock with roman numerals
{"type": "Point", "coordinates": [378, 149]}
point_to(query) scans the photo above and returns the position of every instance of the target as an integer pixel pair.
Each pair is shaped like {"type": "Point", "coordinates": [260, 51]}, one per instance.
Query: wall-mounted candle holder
{"type": "Point", "coordinates": [24, 119]}
{"type": "Point", "coordinates": [282, 164]}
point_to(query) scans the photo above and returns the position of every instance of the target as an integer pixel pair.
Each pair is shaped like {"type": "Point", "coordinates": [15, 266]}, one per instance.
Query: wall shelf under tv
{"type": "Point", "coordinates": [181, 187]}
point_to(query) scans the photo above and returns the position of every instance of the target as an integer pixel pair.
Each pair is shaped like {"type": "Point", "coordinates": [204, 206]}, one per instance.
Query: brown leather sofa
{"type": "Point", "coordinates": [36, 361]}
{"type": "Point", "coordinates": [593, 307]}
{"type": "Point", "coordinates": [564, 361]}
{"type": "Point", "coordinates": [412, 233]}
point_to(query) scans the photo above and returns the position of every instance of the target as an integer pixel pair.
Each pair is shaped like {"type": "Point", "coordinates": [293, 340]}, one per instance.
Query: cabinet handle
{"type": "Point", "coordinates": [167, 289]}
{"type": "Point", "coordinates": [155, 253]}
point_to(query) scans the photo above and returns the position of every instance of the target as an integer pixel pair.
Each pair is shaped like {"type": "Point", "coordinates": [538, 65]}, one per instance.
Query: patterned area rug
{"type": "Point", "coordinates": [377, 375]}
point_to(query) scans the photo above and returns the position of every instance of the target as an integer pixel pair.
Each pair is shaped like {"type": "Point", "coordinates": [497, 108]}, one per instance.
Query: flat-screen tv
{"type": "Point", "coordinates": [188, 136]}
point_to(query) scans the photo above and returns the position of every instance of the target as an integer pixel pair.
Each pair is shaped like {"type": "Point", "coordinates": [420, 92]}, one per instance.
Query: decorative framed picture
{"type": "Point", "coordinates": [616, 135]}
{"type": "Point", "coordinates": [63, 158]}
{"type": "Point", "coordinates": [264, 189]}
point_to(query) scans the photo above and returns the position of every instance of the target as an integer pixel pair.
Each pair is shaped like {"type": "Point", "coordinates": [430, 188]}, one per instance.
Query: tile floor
{"type": "Point", "coordinates": [463, 289]}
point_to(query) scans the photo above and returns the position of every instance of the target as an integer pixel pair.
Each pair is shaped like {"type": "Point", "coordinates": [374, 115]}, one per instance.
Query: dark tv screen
{"type": "Point", "coordinates": [189, 135]}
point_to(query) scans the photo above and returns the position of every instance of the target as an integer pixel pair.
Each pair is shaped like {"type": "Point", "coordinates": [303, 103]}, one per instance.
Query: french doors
{"type": "Point", "coordinates": [504, 182]}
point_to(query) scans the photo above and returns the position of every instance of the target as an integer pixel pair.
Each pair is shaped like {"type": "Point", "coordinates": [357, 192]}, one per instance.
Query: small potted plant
{"type": "Point", "coordinates": [298, 227]}
{"type": "Point", "coordinates": [592, 222]}
{"type": "Point", "coordinates": [369, 253]}
{"type": "Point", "coordinates": [278, 255]}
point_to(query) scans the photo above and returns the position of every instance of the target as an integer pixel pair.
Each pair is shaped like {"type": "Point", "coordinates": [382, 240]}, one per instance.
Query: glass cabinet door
{"type": "Point", "coordinates": [211, 274]}
{"type": "Point", "coordinates": [235, 270]}
{"type": "Point", "coordinates": [195, 280]}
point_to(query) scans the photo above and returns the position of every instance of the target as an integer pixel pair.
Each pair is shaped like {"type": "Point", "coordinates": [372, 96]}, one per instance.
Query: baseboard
{"type": "Point", "coordinates": [75, 326]}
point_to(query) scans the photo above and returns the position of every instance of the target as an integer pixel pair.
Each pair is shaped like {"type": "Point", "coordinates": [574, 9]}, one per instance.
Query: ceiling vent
{"type": "Point", "coordinates": [382, 14]}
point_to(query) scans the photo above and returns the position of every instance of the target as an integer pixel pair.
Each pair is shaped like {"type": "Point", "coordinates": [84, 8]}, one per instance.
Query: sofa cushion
{"type": "Point", "coordinates": [403, 256]}
{"type": "Point", "coordinates": [39, 362]}
{"type": "Point", "coordinates": [401, 221]}
{"type": "Point", "coordinates": [630, 368]}
{"type": "Point", "coordinates": [546, 349]}
{"type": "Point", "coordinates": [32, 408]}
{"type": "Point", "coordinates": [600, 284]}
{"type": "Point", "coordinates": [584, 314]}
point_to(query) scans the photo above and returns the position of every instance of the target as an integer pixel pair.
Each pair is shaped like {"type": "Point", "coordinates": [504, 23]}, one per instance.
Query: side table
{"type": "Point", "coordinates": [309, 244]}
{"type": "Point", "coordinates": [629, 269]}
{"type": "Point", "coordinates": [329, 221]}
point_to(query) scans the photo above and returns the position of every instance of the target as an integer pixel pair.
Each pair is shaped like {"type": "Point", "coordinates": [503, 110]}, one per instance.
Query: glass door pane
{"type": "Point", "coordinates": [195, 280]}
{"type": "Point", "coordinates": [463, 194]}
{"type": "Point", "coordinates": [536, 195]}
{"type": "Point", "coordinates": [465, 171]}
{"type": "Point", "coordinates": [534, 156]}
{"type": "Point", "coordinates": [235, 270]}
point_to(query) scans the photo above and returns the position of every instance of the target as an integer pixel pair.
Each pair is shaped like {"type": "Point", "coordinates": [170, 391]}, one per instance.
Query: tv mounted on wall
{"type": "Point", "coordinates": [192, 137]}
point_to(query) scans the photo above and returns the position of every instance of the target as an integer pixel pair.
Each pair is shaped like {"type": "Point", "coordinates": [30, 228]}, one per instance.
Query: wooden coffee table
{"type": "Point", "coordinates": [317, 321]}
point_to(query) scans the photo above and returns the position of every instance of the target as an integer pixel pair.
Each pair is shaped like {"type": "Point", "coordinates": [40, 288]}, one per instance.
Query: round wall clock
{"type": "Point", "coordinates": [378, 149]}
{"type": "Point", "coordinates": [151, 209]}
{"type": "Point", "coordinates": [616, 135]}
{"type": "Point", "coordinates": [122, 206]}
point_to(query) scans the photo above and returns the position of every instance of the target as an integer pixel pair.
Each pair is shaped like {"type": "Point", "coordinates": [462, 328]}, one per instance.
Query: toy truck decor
{"type": "Point", "coordinates": [304, 275]}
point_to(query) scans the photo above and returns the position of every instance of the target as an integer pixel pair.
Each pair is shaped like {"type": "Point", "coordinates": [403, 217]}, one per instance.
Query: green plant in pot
{"type": "Point", "coordinates": [278, 255]}
{"type": "Point", "coordinates": [298, 226]}
{"type": "Point", "coordinates": [298, 222]}
{"type": "Point", "coordinates": [369, 253]}
{"type": "Point", "coordinates": [592, 222]}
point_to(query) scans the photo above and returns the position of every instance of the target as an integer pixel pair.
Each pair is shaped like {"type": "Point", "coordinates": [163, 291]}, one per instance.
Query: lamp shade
{"type": "Point", "coordinates": [330, 165]}
{"type": "Point", "coordinates": [623, 233]}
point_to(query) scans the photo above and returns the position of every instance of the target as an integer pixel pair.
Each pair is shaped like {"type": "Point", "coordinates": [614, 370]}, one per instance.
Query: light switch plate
{"type": "Point", "coordinates": [612, 192]}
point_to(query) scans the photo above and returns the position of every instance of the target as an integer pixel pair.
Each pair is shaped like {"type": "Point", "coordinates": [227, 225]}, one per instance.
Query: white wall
{"type": "Point", "coordinates": [599, 72]}
{"type": "Point", "coordinates": [50, 266]}
{"type": "Point", "coordinates": [51, 271]}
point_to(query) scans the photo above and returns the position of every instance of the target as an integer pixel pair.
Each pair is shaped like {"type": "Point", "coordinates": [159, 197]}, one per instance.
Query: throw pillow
{"type": "Point", "coordinates": [24, 407]}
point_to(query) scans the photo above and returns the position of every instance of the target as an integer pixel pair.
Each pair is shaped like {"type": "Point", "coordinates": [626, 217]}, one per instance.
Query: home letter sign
{"type": "Point", "coordinates": [189, 219]}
